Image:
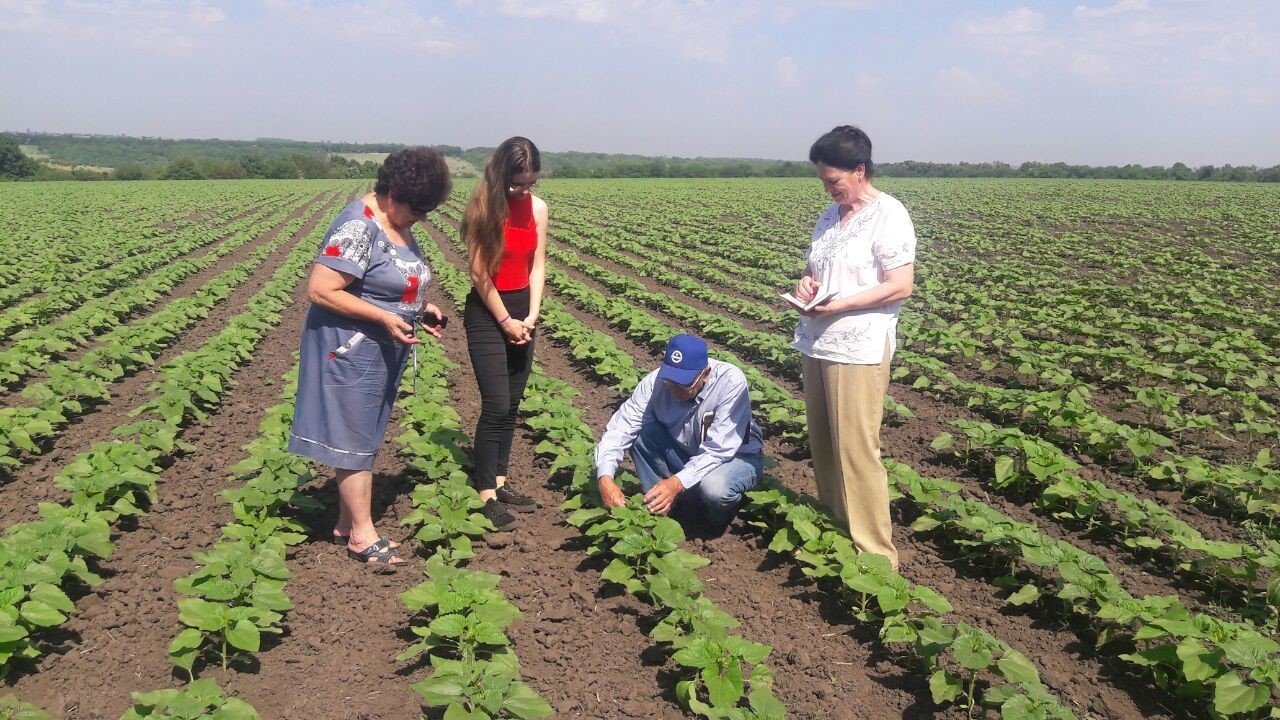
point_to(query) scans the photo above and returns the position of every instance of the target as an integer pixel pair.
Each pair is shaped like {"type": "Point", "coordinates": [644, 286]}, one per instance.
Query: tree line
{"type": "Point", "coordinates": [315, 163]}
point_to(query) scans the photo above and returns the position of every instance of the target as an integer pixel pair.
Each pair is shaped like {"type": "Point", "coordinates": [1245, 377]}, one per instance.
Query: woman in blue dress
{"type": "Point", "coordinates": [367, 291]}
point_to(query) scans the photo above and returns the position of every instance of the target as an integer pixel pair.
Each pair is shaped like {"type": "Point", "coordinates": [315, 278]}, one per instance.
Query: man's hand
{"type": "Point", "coordinates": [662, 496]}
{"type": "Point", "coordinates": [610, 493]}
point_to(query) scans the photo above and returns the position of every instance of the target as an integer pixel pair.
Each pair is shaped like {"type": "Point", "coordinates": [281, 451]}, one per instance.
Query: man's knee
{"type": "Point", "coordinates": [725, 485]}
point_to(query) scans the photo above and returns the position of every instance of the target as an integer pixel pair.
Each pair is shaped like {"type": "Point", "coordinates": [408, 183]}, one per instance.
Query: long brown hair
{"type": "Point", "coordinates": [487, 210]}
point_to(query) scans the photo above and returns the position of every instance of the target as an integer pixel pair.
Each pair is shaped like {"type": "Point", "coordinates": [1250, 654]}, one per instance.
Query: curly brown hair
{"type": "Point", "coordinates": [417, 177]}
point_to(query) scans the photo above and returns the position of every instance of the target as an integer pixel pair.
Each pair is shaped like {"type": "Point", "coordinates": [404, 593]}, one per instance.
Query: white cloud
{"type": "Point", "coordinates": [786, 72]}
{"type": "Point", "coordinates": [1091, 66]}
{"type": "Point", "coordinates": [206, 15]}
{"type": "Point", "coordinates": [1121, 6]}
{"type": "Point", "coordinates": [362, 23]}
{"type": "Point", "coordinates": [585, 11]}
{"type": "Point", "coordinates": [22, 16]}
{"type": "Point", "coordinates": [705, 30]}
{"type": "Point", "coordinates": [161, 40]}
{"type": "Point", "coordinates": [965, 86]}
{"type": "Point", "coordinates": [1019, 21]}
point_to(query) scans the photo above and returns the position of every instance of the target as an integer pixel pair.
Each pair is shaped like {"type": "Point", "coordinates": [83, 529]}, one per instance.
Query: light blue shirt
{"type": "Point", "coordinates": [713, 428]}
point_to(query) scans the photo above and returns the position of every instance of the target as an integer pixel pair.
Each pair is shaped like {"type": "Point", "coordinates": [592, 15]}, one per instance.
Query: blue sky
{"type": "Point", "coordinates": [1112, 81]}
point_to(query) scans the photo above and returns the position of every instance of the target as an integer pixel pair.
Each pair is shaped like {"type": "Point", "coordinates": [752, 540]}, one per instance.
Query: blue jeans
{"type": "Point", "coordinates": [719, 493]}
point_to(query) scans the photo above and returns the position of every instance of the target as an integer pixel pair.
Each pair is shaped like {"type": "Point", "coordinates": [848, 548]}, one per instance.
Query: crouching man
{"type": "Point", "coordinates": [695, 446]}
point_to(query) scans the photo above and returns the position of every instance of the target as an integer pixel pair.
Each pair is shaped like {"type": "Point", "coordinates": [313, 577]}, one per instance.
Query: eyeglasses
{"type": "Point", "coordinates": [686, 388]}
{"type": "Point", "coordinates": [672, 384]}
{"type": "Point", "coordinates": [513, 187]}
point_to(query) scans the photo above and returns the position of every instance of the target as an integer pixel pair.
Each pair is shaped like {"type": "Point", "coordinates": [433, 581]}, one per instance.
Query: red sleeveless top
{"type": "Point", "coordinates": [519, 240]}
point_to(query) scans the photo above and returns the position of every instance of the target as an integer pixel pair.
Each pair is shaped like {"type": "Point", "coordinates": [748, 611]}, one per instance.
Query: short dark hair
{"type": "Point", "coordinates": [417, 177]}
{"type": "Point", "coordinates": [845, 147]}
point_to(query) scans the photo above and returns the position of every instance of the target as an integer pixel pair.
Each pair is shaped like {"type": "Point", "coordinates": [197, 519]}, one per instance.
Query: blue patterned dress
{"type": "Point", "coordinates": [350, 369]}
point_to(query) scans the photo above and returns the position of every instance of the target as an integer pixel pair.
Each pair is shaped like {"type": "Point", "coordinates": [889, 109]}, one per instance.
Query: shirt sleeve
{"type": "Point", "coordinates": [729, 427]}
{"type": "Point", "coordinates": [623, 427]}
{"type": "Point", "coordinates": [896, 245]}
{"type": "Point", "coordinates": [348, 248]}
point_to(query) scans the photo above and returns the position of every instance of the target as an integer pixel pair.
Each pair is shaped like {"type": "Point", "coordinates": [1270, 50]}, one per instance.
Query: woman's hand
{"type": "Point", "coordinates": [830, 307]}
{"type": "Point", "coordinates": [806, 288]}
{"type": "Point", "coordinates": [516, 332]}
{"type": "Point", "coordinates": [398, 329]}
{"type": "Point", "coordinates": [529, 323]}
{"type": "Point", "coordinates": [430, 310]}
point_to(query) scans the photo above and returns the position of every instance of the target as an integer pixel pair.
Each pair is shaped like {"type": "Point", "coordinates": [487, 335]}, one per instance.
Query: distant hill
{"type": "Point", "coordinates": [96, 157]}
{"type": "Point", "coordinates": [111, 151]}
{"type": "Point", "coordinates": [116, 150]}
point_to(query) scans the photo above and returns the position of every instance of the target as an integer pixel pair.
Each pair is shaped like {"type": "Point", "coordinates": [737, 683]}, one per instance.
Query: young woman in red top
{"type": "Point", "coordinates": [505, 228]}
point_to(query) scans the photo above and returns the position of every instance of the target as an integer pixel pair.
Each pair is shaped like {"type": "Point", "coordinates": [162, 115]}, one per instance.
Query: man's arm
{"type": "Point", "coordinates": [618, 437]}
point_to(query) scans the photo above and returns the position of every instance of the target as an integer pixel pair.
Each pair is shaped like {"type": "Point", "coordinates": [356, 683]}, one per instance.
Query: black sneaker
{"type": "Point", "coordinates": [496, 513]}
{"type": "Point", "coordinates": [516, 501]}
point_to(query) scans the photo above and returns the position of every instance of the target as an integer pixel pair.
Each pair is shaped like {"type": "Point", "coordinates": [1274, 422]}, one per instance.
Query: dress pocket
{"type": "Point", "coordinates": [349, 363]}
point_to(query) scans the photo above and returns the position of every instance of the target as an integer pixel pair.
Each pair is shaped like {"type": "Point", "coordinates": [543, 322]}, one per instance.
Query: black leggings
{"type": "Point", "coordinates": [502, 369]}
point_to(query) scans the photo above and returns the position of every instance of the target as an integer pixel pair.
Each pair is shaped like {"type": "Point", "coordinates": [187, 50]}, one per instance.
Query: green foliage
{"type": "Point", "coordinates": [11, 708]}
{"type": "Point", "coordinates": [201, 700]}
{"type": "Point", "coordinates": [14, 164]}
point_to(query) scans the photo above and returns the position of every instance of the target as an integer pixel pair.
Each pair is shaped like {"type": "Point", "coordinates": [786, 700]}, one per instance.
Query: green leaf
{"type": "Point", "coordinates": [525, 703]}
{"type": "Point", "coordinates": [724, 690]}
{"type": "Point", "coordinates": [1027, 594]}
{"type": "Point", "coordinates": [1006, 468]}
{"type": "Point", "coordinates": [52, 596]}
{"type": "Point", "coordinates": [944, 687]}
{"type": "Point", "coordinates": [1231, 696]}
{"type": "Point", "coordinates": [450, 626]}
{"type": "Point", "coordinates": [1199, 663]}
{"type": "Point", "coordinates": [456, 711]}
{"type": "Point", "coordinates": [235, 709]}
{"type": "Point", "coordinates": [245, 636]}
{"type": "Point", "coordinates": [41, 614]}
{"type": "Point", "coordinates": [1017, 668]}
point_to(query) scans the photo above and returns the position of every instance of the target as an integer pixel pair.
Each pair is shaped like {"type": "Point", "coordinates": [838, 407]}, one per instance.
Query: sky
{"type": "Point", "coordinates": [1113, 82]}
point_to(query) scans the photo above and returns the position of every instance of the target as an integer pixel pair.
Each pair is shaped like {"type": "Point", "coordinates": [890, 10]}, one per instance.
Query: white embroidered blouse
{"type": "Point", "coordinates": [850, 259]}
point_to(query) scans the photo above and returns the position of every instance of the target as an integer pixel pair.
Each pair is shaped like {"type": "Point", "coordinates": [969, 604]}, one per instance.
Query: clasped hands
{"type": "Point", "coordinates": [659, 499]}
{"type": "Point", "coordinates": [518, 332]}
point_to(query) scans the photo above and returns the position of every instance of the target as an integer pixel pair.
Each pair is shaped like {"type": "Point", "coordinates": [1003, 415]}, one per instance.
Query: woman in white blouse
{"type": "Point", "coordinates": [863, 252]}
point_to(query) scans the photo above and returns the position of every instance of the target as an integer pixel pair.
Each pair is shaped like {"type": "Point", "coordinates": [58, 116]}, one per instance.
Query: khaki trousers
{"type": "Point", "coordinates": [845, 405]}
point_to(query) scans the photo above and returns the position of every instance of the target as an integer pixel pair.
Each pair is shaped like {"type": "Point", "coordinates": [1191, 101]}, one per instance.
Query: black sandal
{"type": "Point", "coordinates": [345, 540]}
{"type": "Point", "coordinates": [379, 553]}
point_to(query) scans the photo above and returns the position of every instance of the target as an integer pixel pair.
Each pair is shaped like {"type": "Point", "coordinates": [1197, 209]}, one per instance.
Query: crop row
{"type": "Point", "coordinates": [1140, 442]}
{"type": "Point", "coordinates": [74, 385]}
{"type": "Point", "coordinates": [1194, 655]}
{"type": "Point", "coordinates": [722, 675]}
{"type": "Point", "coordinates": [69, 296]}
{"type": "Point", "coordinates": [67, 238]}
{"type": "Point", "coordinates": [117, 478]}
{"type": "Point", "coordinates": [460, 615]}
{"type": "Point", "coordinates": [938, 654]}
{"type": "Point", "coordinates": [35, 347]}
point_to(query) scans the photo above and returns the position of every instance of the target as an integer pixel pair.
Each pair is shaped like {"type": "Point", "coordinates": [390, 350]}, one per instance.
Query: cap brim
{"type": "Point", "coordinates": [678, 376]}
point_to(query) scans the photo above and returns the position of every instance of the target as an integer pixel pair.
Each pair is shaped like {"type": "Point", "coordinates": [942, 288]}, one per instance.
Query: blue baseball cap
{"type": "Point", "coordinates": [686, 356]}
